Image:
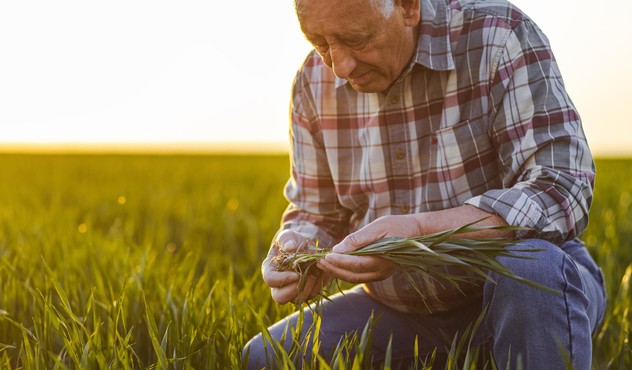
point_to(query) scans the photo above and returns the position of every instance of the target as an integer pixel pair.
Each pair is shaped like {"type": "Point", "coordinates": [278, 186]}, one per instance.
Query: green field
{"type": "Point", "coordinates": [153, 261]}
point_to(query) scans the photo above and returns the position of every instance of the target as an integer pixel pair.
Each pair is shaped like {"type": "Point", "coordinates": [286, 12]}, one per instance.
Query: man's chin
{"type": "Point", "coordinates": [367, 88]}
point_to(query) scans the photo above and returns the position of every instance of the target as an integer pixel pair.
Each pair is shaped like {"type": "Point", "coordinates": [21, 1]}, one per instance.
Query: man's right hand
{"type": "Point", "coordinates": [285, 284]}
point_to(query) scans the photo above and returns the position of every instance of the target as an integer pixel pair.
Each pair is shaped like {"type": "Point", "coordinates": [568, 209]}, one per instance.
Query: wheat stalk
{"type": "Point", "coordinates": [422, 253]}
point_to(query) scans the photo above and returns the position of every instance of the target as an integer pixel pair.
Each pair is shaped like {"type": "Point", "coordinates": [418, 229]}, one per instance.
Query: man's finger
{"type": "Point", "coordinates": [353, 263]}
{"type": "Point", "coordinates": [359, 239]}
{"type": "Point", "coordinates": [307, 290]}
{"type": "Point", "coordinates": [354, 277]}
{"type": "Point", "coordinates": [377, 272]}
{"type": "Point", "coordinates": [285, 294]}
{"type": "Point", "coordinates": [278, 279]}
{"type": "Point", "coordinates": [350, 243]}
{"type": "Point", "coordinates": [290, 241]}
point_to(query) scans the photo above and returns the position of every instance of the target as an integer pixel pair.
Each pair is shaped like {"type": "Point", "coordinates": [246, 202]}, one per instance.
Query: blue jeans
{"type": "Point", "coordinates": [537, 328]}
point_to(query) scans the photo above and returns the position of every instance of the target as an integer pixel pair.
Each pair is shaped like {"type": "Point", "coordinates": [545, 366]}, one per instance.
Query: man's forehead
{"type": "Point", "coordinates": [310, 6]}
{"type": "Point", "coordinates": [347, 16]}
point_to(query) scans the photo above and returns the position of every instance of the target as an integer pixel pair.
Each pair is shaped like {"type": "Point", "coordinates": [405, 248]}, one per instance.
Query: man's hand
{"type": "Point", "coordinates": [285, 284]}
{"type": "Point", "coordinates": [364, 269]}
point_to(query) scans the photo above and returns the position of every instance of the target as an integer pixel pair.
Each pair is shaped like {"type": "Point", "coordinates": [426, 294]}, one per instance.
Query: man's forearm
{"type": "Point", "coordinates": [432, 222]}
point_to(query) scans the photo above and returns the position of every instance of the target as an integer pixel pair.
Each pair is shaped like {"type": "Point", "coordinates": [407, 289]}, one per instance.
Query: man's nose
{"type": "Point", "coordinates": [342, 62]}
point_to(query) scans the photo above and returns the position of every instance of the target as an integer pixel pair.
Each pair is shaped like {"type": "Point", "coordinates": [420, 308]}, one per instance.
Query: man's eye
{"type": "Point", "coordinates": [354, 43]}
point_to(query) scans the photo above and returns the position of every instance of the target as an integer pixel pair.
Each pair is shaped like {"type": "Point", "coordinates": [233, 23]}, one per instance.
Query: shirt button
{"type": "Point", "coordinates": [404, 208]}
{"type": "Point", "coordinates": [400, 154]}
{"type": "Point", "coordinates": [394, 99]}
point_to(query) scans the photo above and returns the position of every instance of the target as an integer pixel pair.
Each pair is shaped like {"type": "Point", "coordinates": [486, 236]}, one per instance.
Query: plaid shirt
{"type": "Point", "coordinates": [479, 117]}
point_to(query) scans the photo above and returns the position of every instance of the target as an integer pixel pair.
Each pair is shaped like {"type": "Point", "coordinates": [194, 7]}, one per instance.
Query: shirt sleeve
{"type": "Point", "coordinates": [546, 166]}
{"type": "Point", "coordinates": [313, 209]}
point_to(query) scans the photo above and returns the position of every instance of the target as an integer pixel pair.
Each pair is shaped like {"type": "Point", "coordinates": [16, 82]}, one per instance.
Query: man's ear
{"type": "Point", "coordinates": [411, 12]}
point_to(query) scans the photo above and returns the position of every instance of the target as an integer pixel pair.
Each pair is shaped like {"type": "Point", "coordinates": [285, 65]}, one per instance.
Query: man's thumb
{"type": "Point", "coordinates": [352, 242]}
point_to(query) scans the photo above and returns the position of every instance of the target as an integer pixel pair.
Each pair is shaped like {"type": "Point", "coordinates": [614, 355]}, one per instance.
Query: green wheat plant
{"type": "Point", "coordinates": [422, 254]}
{"type": "Point", "coordinates": [131, 261]}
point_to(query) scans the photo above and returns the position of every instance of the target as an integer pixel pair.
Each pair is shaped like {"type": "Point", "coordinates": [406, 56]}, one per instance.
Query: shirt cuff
{"type": "Point", "coordinates": [517, 209]}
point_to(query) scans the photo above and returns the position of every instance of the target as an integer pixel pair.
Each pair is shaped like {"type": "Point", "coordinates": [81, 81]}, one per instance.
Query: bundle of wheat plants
{"type": "Point", "coordinates": [422, 254]}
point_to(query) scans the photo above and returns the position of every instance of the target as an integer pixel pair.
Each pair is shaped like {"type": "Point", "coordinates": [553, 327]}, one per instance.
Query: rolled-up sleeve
{"type": "Point", "coordinates": [313, 209]}
{"type": "Point", "coordinates": [546, 166]}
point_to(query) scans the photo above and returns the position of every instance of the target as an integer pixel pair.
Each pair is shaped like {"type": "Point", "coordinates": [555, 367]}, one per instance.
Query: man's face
{"type": "Point", "coordinates": [358, 42]}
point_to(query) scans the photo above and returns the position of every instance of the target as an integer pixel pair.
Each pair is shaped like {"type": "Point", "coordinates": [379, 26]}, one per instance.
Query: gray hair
{"type": "Point", "coordinates": [385, 7]}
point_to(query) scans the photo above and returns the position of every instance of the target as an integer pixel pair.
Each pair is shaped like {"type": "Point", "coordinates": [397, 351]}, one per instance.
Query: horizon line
{"type": "Point", "coordinates": [165, 148]}
{"type": "Point", "coordinates": [198, 147]}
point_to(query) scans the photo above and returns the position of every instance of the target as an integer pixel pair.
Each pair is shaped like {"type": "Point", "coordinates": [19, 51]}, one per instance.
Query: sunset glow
{"type": "Point", "coordinates": [204, 76]}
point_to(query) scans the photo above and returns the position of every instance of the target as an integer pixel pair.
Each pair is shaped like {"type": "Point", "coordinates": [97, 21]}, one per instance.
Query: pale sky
{"type": "Point", "coordinates": [208, 72]}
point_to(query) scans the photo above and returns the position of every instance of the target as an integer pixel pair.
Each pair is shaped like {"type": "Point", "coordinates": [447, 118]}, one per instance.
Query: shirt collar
{"type": "Point", "coordinates": [434, 50]}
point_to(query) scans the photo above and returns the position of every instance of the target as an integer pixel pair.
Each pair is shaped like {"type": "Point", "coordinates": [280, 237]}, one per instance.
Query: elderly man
{"type": "Point", "coordinates": [416, 116]}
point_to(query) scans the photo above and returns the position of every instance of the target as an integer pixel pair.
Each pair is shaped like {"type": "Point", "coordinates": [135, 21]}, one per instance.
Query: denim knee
{"type": "Point", "coordinates": [532, 322]}
{"type": "Point", "coordinates": [539, 261]}
{"type": "Point", "coordinates": [254, 355]}
{"type": "Point", "coordinates": [549, 266]}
